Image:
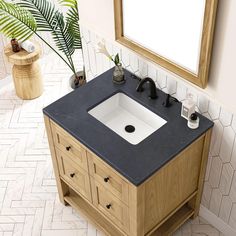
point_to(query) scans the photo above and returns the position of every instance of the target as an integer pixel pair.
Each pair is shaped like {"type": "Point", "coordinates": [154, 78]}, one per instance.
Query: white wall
{"type": "Point", "coordinates": [222, 81]}
{"type": "Point", "coordinates": [98, 16]}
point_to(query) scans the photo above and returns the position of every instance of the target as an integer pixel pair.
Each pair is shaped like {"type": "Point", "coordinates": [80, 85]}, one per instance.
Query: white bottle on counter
{"type": "Point", "coordinates": [28, 46]}
{"type": "Point", "coordinates": [188, 107]}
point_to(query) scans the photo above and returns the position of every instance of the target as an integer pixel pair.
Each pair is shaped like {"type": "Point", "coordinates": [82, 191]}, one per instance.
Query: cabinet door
{"type": "Point", "coordinates": [110, 205]}
{"type": "Point", "coordinates": [73, 174]}
{"type": "Point", "coordinates": [66, 143]}
{"type": "Point", "coordinates": [108, 177]}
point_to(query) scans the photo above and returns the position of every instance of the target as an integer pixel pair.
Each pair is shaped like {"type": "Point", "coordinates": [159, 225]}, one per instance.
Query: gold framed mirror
{"type": "Point", "coordinates": [175, 34]}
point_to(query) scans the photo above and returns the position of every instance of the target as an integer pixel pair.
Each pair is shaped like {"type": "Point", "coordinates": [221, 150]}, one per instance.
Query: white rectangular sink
{"type": "Point", "coordinates": [127, 118]}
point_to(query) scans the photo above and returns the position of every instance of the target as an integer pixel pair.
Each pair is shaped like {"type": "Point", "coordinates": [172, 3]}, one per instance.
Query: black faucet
{"type": "Point", "coordinates": [152, 86]}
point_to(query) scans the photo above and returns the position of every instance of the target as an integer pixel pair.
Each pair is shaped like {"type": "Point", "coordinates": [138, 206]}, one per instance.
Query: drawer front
{"type": "Point", "coordinates": [74, 174]}
{"type": "Point", "coordinates": [108, 178]}
{"type": "Point", "coordinates": [66, 143]}
{"type": "Point", "coordinates": [110, 205]}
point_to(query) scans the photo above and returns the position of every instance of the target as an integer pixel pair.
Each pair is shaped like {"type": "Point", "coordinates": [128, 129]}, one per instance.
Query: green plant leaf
{"type": "Point", "coordinates": [50, 20]}
{"type": "Point", "coordinates": [64, 30]}
{"type": "Point", "coordinates": [16, 22]}
{"type": "Point", "coordinates": [117, 59]}
{"type": "Point", "coordinates": [44, 13]}
{"type": "Point", "coordinates": [72, 21]}
{"type": "Point", "coordinates": [62, 38]}
{"type": "Point", "coordinates": [68, 3]}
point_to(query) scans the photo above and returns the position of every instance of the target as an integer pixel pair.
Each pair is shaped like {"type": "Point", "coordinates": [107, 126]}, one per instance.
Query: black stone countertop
{"type": "Point", "coordinates": [135, 162]}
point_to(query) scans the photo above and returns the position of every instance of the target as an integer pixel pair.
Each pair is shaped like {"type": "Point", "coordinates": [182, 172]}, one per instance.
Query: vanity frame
{"type": "Point", "coordinates": [199, 79]}
{"type": "Point", "coordinates": [159, 206]}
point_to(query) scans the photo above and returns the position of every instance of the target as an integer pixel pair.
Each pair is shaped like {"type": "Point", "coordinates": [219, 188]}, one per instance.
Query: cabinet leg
{"type": "Point", "coordinates": [62, 191]}
{"type": "Point", "coordinates": [195, 202]}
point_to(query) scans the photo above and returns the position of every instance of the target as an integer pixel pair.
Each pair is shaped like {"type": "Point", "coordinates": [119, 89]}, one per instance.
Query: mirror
{"type": "Point", "coordinates": [176, 34]}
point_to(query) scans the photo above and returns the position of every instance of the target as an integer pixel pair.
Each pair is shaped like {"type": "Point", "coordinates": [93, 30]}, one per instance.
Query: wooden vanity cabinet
{"type": "Point", "coordinates": [156, 207]}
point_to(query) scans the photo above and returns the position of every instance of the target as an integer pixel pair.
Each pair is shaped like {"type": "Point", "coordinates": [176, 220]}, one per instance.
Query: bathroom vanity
{"type": "Point", "coordinates": [148, 188]}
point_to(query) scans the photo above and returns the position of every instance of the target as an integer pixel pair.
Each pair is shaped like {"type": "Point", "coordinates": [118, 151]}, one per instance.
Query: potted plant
{"type": "Point", "coordinates": [27, 17]}
{"type": "Point", "coordinates": [118, 73]}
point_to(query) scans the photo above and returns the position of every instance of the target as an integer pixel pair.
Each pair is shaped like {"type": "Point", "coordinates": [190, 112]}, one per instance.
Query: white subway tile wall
{"type": "Point", "coordinates": [219, 194]}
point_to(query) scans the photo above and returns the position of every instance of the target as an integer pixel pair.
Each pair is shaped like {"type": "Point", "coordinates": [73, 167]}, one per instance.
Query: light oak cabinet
{"type": "Point", "coordinates": [63, 141]}
{"type": "Point", "coordinates": [107, 177]}
{"type": "Point", "coordinates": [156, 207]}
{"type": "Point", "coordinates": [73, 174]}
{"type": "Point", "coordinates": [110, 205]}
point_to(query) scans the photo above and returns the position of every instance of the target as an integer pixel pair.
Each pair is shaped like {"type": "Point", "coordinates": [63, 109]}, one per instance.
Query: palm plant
{"type": "Point", "coordinates": [28, 17]}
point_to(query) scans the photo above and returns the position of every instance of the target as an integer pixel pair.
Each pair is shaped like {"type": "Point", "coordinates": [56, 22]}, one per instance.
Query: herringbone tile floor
{"type": "Point", "coordinates": [29, 203]}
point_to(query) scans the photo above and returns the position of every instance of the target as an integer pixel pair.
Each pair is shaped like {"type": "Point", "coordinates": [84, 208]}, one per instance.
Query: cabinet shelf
{"type": "Point", "coordinates": [78, 203]}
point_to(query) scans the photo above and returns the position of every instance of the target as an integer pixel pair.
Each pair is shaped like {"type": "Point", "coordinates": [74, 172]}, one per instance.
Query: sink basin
{"type": "Point", "coordinates": [127, 118]}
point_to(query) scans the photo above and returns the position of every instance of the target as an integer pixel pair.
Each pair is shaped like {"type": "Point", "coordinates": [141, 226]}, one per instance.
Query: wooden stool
{"type": "Point", "coordinates": [26, 72]}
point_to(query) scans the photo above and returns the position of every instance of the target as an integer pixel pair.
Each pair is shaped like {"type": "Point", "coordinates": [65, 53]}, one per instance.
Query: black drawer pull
{"type": "Point", "coordinates": [72, 175]}
{"type": "Point", "coordinates": [68, 148]}
{"type": "Point", "coordinates": [108, 206]}
{"type": "Point", "coordinates": [106, 179]}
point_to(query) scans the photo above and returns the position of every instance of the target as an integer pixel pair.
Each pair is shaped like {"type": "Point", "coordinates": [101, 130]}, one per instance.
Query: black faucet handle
{"type": "Point", "coordinates": [166, 102]}
{"type": "Point", "coordinates": [133, 76]}
{"type": "Point", "coordinates": [168, 99]}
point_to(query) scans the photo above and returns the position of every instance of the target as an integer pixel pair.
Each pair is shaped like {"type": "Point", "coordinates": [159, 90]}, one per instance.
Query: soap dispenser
{"type": "Point", "coordinates": [188, 107]}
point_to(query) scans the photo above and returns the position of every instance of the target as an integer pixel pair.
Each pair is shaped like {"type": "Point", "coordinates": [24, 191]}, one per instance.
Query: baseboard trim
{"type": "Point", "coordinates": [216, 222]}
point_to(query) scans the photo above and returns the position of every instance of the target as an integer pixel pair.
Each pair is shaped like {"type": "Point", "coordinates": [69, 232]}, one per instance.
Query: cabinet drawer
{"type": "Point", "coordinates": [66, 143]}
{"type": "Point", "coordinates": [74, 174]}
{"type": "Point", "coordinates": [110, 205]}
{"type": "Point", "coordinates": [108, 178]}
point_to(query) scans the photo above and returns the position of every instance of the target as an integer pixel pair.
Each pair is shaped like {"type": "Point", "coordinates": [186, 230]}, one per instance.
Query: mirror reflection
{"type": "Point", "coordinates": [170, 28]}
